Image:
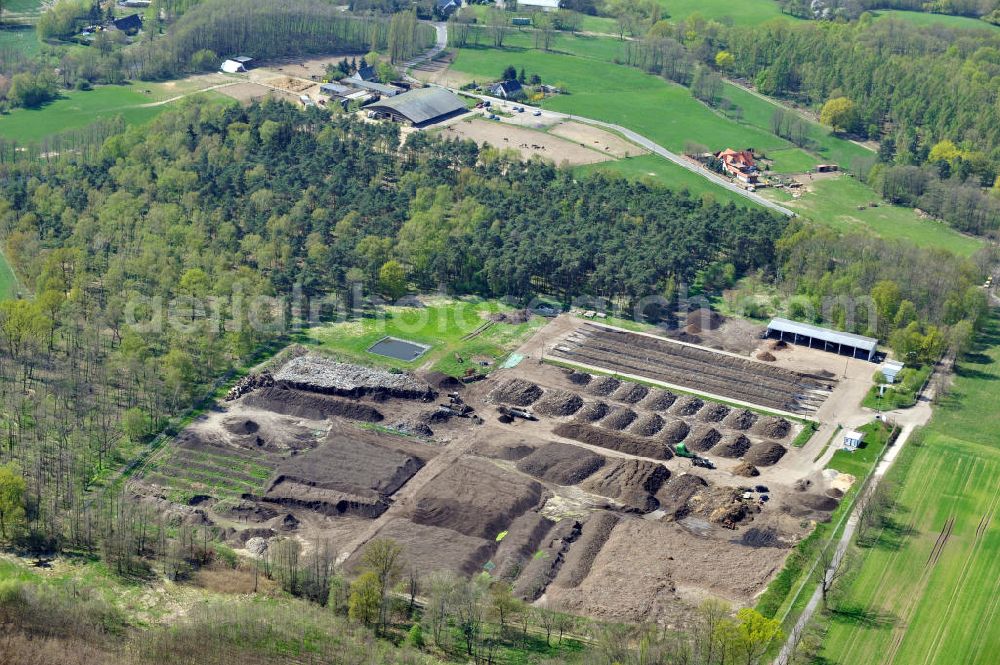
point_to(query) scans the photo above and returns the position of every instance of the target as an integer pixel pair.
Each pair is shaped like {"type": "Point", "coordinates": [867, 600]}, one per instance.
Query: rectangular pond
{"type": "Point", "coordinates": [400, 349]}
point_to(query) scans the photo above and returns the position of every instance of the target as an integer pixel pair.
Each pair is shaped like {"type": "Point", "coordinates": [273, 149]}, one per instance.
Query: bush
{"type": "Point", "coordinates": [31, 90]}
{"type": "Point", "coordinates": [415, 638]}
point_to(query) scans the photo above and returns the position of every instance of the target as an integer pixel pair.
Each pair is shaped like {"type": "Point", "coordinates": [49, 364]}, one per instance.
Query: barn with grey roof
{"type": "Point", "coordinates": [420, 107]}
{"type": "Point", "coordinates": [857, 346]}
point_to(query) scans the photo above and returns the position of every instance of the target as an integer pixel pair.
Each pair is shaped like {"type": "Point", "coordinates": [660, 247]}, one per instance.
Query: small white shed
{"type": "Point", "coordinates": [852, 439]}
{"type": "Point", "coordinates": [891, 369]}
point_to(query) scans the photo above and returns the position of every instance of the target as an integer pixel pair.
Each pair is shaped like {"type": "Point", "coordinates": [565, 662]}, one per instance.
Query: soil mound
{"type": "Point", "coordinates": [732, 447]}
{"type": "Point", "coordinates": [619, 419]}
{"type": "Point", "coordinates": [746, 470]}
{"type": "Point", "coordinates": [561, 464]}
{"type": "Point", "coordinates": [674, 432]}
{"type": "Point", "coordinates": [818, 502]}
{"type": "Point", "coordinates": [761, 537]}
{"type": "Point", "coordinates": [714, 413]}
{"type": "Point", "coordinates": [625, 443]}
{"type": "Point", "coordinates": [580, 558]}
{"type": "Point", "coordinates": [659, 400]}
{"type": "Point", "coordinates": [559, 403]}
{"type": "Point", "coordinates": [632, 483]}
{"type": "Point", "coordinates": [593, 412]}
{"type": "Point", "coordinates": [603, 386]}
{"type": "Point", "coordinates": [778, 345]}
{"type": "Point", "coordinates": [443, 382]}
{"type": "Point", "coordinates": [631, 393]}
{"type": "Point", "coordinates": [545, 564]}
{"type": "Point", "coordinates": [430, 548]}
{"type": "Point", "coordinates": [311, 406]}
{"type": "Point", "coordinates": [766, 357]}
{"type": "Point", "coordinates": [476, 498]}
{"type": "Point", "coordinates": [241, 426]}
{"type": "Point", "coordinates": [773, 428]}
{"type": "Point", "coordinates": [514, 317]}
{"type": "Point", "coordinates": [702, 438]}
{"type": "Point", "coordinates": [765, 453]}
{"type": "Point", "coordinates": [249, 383]}
{"type": "Point", "coordinates": [675, 495]}
{"type": "Point", "coordinates": [687, 406]}
{"type": "Point", "coordinates": [579, 378]}
{"type": "Point", "coordinates": [414, 427]}
{"type": "Point", "coordinates": [835, 493]}
{"type": "Point", "coordinates": [517, 392]}
{"type": "Point", "coordinates": [648, 425]}
{"type": "Point", "coordinates": [522, 540]}
{"type": "Point", "coordinates": [705, 319]}
{"type": "Point", "coordinates": [741, 419]}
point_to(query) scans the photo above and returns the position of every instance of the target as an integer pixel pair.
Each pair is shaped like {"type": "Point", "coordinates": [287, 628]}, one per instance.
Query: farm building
{"type": "Point", "coordinates": [544, 5]}
{"type": "Point", "coordinates": [420, 107]}
{"type": "Point", "coordinates": [853, 439]}
{"type": "Point", "coordinates": [739, 164]}
{"type": "Point", "coordinates": [891, 369]}
{"type": "Point", "coordinates": [380, 88]}
{"type": "Point", "coordinates": [857, 346]}
{"type": "Point", "coordinates": [237, 64]}
{"type": "Point", "coordinates": [510, 89]}
{"type": "Point", "coordinates": [336, 89]}
{"type": "Point", "coordinates": [365, 73]}
{"type": "Point", "coordinates": [826, 168]}
{"type": "Point", "coordinates": [130, 24]}
{"type": "Point", "coordinates": [446, 8]}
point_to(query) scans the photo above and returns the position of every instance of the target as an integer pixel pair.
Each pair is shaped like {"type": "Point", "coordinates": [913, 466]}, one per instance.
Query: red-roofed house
{"type": "Point", "coordinates": [739, 164]}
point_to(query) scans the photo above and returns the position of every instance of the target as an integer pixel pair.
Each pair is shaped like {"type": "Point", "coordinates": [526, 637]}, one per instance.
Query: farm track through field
{"type": "Point", "coordinates": [931, 475]}
{"type": "Point", "coordinates": [916, 595]}
{"type": "Point", "coordinates": [942, 628]}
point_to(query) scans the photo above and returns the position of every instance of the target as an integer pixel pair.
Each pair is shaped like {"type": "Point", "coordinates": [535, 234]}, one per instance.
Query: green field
{"type": "Point", "coordinates": [742, 12]}
{"type": "Point", "coordinates": [835, 201]}
{"type": "Point", "coordinates": [78, 109]}
{"type": "Point", "coordinates": [926, 18]}
{"type": "Point", "coordinates": [441, 323]}
{"type": "Point", "coordinates": [662, 171]}
{"type": "Point", "coordinates": [22, 40]}
{"type": "Point", "coordinates": [8, 281]}
{"type": "Point", "coordinates": [914, 601]}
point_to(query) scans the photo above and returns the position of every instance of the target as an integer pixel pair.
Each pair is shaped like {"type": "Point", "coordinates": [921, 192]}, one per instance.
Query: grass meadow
{"type": "Point", "coordinates": [914, 600]}
{"type": "Point", "coordinates": [76, 109]}
{"type": "Point", "coordinates": [659, 170]}
{"type": "Point", "coordinates": [442, 323]}
{"type": "Point", "coordinates": [927, 19]}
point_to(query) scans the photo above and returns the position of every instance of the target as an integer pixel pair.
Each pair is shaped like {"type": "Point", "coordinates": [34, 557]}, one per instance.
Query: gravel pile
{"type": "Point", "coordinates": [773, 428]}
{"type": "Point", "coordinates": [741, 419]}
{"type": "Point", "coordinates": [559, 403]}
{"type": "Point", "coordinates": [603, 386]}
{"type": "Point", "coordinates": [732, 447]}
{"type": "Point", "coordinates": [648, 425]}
{"type": "Point", "coordinates": [593, 412]}
{"type": "Point", "coordinates": [659, 400]}
{"type": "Point", "coordinates": [674, 432]}
{"type": "Point", "coordinates": [631, 393]}
{"type": "Point", "coordinates": [619, 419]}
{"type": "Point", "coordinates": [714, 413]}
{"type": "Point", "coordinates": [319, 374]}
{"type": "Point", "coordinates": [517, 392]}
{"type": "Point", "coordinates": [702, 438]}
{"type": "Point", "coordinates": [765, 453]}
{"type": "Point", "coordinates": [687, 406]}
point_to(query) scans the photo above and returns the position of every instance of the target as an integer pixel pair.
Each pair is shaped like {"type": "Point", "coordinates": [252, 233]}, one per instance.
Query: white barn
{"type": "Point", "coordinates": [853, 439]}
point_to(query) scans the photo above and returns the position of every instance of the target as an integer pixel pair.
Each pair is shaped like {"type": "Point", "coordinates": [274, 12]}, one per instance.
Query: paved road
{"type": "Point", "coordinates": [639, 139]}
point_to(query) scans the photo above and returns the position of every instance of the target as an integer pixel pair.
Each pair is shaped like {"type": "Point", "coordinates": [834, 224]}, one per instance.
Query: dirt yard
{"type": "Point", "coordinates": [596, 138]}
{"type": "Point", "coordinates": [627, 530]}
{"type": "Point", "coordinates": [246, 93]}
{"type": "Point", "coordinates": [528, 142]}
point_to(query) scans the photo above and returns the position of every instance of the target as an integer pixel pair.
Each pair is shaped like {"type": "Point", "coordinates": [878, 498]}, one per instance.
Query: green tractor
{"type": "Point", "coordinates": [681, 451]}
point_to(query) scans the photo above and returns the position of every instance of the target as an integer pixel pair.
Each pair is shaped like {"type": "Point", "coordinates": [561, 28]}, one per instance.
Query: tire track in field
{"type": "Point", "coordinates": [856, 636]}
{"type": "Point", "coordinates": [984, 523]}
{"type": "Point", "coordinates": [914, 598]}
{"type": "Point", "coordinates": [990, 612]}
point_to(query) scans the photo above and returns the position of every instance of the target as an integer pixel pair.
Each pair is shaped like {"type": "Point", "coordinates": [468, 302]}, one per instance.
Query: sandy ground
{"type": "Point", "coordinates": [246, 93]}
{"type": "Point", "coordinates": [528, 142]}
{"type": "Point", "coordinates": [597, 139]}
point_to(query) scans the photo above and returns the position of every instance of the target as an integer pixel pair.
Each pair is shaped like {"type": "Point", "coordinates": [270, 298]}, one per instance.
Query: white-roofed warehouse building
{"type": "Point", "coordinates": [420, 107]}
{"type": "Point", "coordinates": [856, 346]}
